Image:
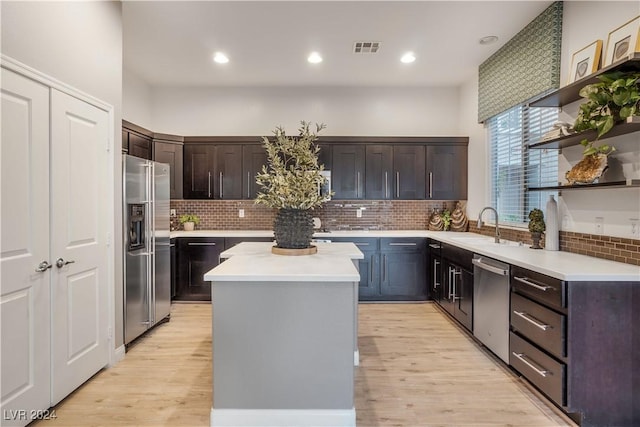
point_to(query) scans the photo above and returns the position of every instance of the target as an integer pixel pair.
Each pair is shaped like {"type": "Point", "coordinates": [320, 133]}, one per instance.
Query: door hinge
{"type": "Point", "coordinates": [108, 239]}
{"type": "Point", "coordinates": [109, 332]}
{"type": "Point", "coordinates": [108, 145]}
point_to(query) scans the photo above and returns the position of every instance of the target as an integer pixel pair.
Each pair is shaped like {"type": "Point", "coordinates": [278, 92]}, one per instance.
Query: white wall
{"type": "Point", "coordinates": [345, 110]}
{"type": "Point", "coordinates": [80, 44]}
{"type": "Point", "coordinates": [477, 195]}
{"type": "Point", "coordinates": [136, 100]}
{"type": "Point", "coordinates": [583, 23]}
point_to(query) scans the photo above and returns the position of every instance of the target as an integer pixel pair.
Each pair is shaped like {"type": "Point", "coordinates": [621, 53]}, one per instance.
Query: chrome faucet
{"type": "Point", "coordinates": [497, 237]}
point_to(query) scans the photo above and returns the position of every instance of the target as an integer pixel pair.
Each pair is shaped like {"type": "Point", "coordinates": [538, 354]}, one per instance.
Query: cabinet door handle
{"type": "Point", "coordinates": [209, 185]}
{"type": "Point", "coordinates": [523, 358]}
{"type": "Point", "coordinates": [371, 261]}
{"type": "Point", "coordinates": [430, 184]}
{"type": "Point", "coordinates": [361, 244]}
{"type": "Point", "coordinates": [357, 184]}
{"type": "Point", "coordinates": [248, 185]}
{"type": "Point", "coordinates": [434, 245]}
{"type": "Point", "coordinates": [532, 320]}
{"type": "Point", "coordinates": [201, 244]}
{"type": "Point", "coordinates": [436, 263]}
{"type": "Point", "coordinates": [386, 186]}
{"type": "Point", "coordinates": [403, 244]}
{"type": "Point", "coordinates": [221, 185]}
{"type": "Point", "coordinates": [397, 185]}
{"type": "Point", "coordinates": [527, 281]}
{"type": "Point", "coordinates": [384, 267]}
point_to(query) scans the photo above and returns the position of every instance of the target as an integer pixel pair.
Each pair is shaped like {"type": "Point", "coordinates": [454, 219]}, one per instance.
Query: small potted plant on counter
{"type": "Point", "coordinates": [189, 221]}
{"type": "Point", "coordinates": [536, 227]}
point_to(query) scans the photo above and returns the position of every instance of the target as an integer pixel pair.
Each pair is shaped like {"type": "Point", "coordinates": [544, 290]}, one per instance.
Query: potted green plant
{"type": "Point", "coordinates": [536, 227]}
{"type": "Point", "coordinates": [446, 219]}
{"type": "Point", "coordinates": [290, 183]}
{"type": "Point", "coordinates": [189, 221]}
{"type": "Point", "coordinates": [612, 100]}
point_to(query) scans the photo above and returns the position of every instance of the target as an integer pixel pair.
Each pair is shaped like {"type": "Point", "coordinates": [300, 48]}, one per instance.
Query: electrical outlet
{"type": "Point", "coordinates": [172, 213]}
{"type": "Point", "coordinates": [635, 229]}
{"type": "Point", "coordinates": [358, 213]}
{"type": "Point", "coordinates": [599, 225]}
{"type": "Point", "coordinates": [240, 213]}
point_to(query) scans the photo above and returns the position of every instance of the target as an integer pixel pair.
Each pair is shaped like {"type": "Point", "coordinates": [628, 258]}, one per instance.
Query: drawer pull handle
{"type": "Point", "coordinates": [403, 244]}
{"type": "Point", "coordinates": [361, 244]}
{"type": "Point", "coordinates": [532, 320]}
{"type": "Point", "coordinates": [521, 356]}
{"type": "Point", "coordinates": [434, 245]}
{"type": "Point", "coordinates": [202, 244]}
{"type": "Point", "coordinates": [526, 281]}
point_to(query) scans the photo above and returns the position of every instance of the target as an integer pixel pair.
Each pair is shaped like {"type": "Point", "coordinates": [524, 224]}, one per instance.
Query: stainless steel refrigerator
{"type": "Point", "coordinates": [147, 283]}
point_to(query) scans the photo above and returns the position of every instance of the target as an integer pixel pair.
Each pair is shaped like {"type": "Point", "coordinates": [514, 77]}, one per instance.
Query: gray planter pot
{"type": "Point", "coordinates": [293, 228]}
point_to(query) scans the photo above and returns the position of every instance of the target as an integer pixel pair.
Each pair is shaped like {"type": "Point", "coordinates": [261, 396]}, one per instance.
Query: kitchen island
{"type": "Point", "coordinates": [283, 337]}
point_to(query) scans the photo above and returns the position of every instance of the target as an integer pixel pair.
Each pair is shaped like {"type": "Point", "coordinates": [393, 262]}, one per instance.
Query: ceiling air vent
{"type": "Point", "coordinates": [366, 47]}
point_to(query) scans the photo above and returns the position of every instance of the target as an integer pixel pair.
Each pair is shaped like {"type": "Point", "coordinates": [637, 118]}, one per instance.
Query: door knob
{"type": "Point", "coordinates": [61, 262]}
{"type": "Point", "coordinates": [43, 266]}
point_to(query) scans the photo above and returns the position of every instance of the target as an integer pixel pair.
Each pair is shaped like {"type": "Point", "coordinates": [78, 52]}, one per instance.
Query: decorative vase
{"type": "Point", "coordinates": [293, 228]}
{"type": "Point", "coordinates": [459, 221]}
{"type": "Point", "coordinates": [551, 237]}
{"type": "Point", "coordinates": [535, 238]}
{"type": "Point", "coordinates": [188, 226]}
{"type": "Point", "coordinates": [435, 222]}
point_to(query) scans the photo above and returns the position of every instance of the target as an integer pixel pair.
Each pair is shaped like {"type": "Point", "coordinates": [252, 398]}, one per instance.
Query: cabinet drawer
{"type": "Point", "coordinates": [539, 287]}
{"type": "Point", "coordinates": [403, 244]}
{"type": "Point", "coordinates": [540, 369]}
{"type": "Point", "coordinates": [363, 243]}
{"type": "Point", "coordinates": [544, 327]}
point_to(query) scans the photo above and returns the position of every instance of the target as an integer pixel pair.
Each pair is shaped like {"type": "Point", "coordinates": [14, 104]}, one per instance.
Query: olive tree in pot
{"type": "Point", "coordinates": [536, 227]}
{"type": "Point", "coordinates": [290, 183]}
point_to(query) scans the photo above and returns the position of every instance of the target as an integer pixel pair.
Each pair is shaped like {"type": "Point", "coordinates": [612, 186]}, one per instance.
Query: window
{"type": "Point", "coordinates": [514, 168]}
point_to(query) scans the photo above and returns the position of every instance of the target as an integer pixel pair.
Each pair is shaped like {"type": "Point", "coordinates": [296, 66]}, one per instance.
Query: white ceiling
{"type": "Point", "coordinates": [172, 42]}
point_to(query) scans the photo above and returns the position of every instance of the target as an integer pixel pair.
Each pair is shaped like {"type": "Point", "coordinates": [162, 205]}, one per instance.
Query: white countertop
{"type": "Point", "coordinates": [342, 249]}
{"type": "Point", "coordinates": [561, 265]}
{"type": "Point", "coordinates": [268, 267]}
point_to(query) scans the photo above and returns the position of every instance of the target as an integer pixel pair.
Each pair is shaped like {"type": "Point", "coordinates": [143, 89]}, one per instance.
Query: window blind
{"type": "Point", "coordinates": [514, 168]}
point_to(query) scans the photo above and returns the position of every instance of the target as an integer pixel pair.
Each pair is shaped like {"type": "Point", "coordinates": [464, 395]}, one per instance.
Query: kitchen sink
{"type": "Point", "coordinates": [484, 241]}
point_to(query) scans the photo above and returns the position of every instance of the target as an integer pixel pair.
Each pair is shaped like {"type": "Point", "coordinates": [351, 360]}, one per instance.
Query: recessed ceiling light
{"type": "Point", "coordinates": [220, 58]}
{"type": "Point", "coordinates": [314, 58]}
{"type": "Point", "coordinates": [488, 40]}
{"type": "Point", "coordinates": [408, 57]}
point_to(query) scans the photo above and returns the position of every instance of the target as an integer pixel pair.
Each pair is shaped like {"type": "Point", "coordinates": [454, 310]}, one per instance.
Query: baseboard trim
{"type": "Point", "coordinates": [283, 417]}
{"type": "Point", "coordinates": [118, 355]}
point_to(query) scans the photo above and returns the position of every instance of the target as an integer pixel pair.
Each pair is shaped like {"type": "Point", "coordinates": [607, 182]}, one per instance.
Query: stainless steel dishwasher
{"type": "Point", "coordinates": [491, 304]}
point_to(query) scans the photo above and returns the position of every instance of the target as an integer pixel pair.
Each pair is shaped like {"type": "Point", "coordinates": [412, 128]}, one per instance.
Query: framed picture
{"type": "Point", "coordinates": [623, 41]}
{"type": "Point", "coordinates": [585, 61]}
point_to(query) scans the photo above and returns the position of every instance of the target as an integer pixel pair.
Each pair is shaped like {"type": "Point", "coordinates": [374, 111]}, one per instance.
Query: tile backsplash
{"type": "Point", "coordinates": [389, 215]}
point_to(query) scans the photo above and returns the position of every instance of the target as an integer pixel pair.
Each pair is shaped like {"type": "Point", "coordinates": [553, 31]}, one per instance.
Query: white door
{"type": "Point", "coordinates": [24, 230]}
{"type": "Point", "coordinates": [79, 227]}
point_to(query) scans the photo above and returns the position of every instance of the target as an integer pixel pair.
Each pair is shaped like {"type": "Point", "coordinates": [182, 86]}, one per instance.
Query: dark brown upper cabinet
{"type": "Point", "coordinates": [447, 172]}
{"type": "Point", "coordinates": [199, 170]}
{"type": "Point", "coordinates": [409, 172]}
{"type": "Point", "coordinates": [347, 173]}
{"type": "Point", "coordinates": [379, 182]}
{"type": "Point", "coordinates": [171, 153]}
{"type": "Point", "coordinates": [253, 158]}
{"type": "Point", "coordinates": [228, 172]}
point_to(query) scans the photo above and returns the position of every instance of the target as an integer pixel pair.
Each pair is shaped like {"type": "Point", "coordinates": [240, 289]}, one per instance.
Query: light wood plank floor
{"type": "Point", "coordinates": [417, 369]}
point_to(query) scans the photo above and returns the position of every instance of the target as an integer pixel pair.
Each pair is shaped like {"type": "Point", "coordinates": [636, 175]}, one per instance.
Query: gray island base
{"type": "Point", "coordinates": [283, 340]}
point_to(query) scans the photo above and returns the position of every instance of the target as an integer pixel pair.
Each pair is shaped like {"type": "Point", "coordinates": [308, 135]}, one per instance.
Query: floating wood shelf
{"type": "Point", "coordinates": [613, 184]}
{"type": "Point", "coordinates": [631, 125]}
{"type": "Point", "coordinates": [571, 92]}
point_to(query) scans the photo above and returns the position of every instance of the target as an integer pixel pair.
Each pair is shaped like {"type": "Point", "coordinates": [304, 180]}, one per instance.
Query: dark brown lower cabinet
{"type": "Point", "coordinates": [195, 257]}
{"type": "Point", "coordinates": [457, 284]}
{"type": "Point", "coordinates": [577, 342]}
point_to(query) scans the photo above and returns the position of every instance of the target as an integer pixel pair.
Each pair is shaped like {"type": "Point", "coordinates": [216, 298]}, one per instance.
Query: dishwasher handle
{"type": "Point", "coordinates": [497, 270]}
